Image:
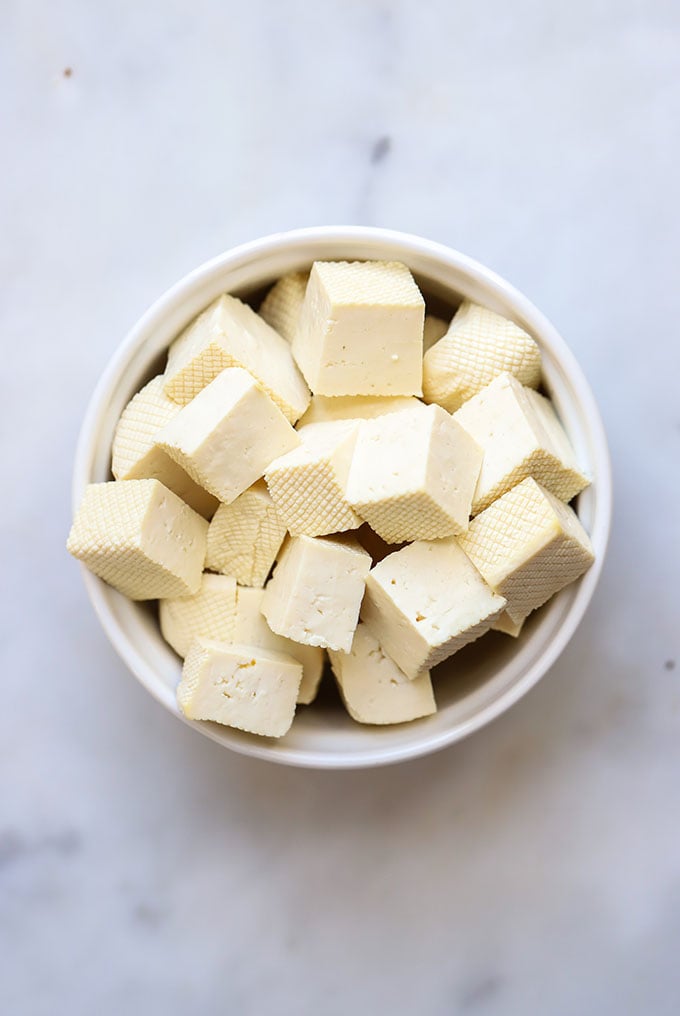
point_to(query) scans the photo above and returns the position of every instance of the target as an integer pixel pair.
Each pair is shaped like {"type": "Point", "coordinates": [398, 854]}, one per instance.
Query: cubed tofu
{"type": "Point", "coordinates": [210, 613]}
{"type": "Point", "coordinates": [528, 545]}
{"type": "Point", "coordinates": [521, 436]}
{"type": "Point", "coordinates": [315, 592]}
{"type": "Point", "coordinates": [361, 330]}
{"type": "Point", "coordinates": [252, 630]}
{"type": "Point", "coordinates": [506, 625]}
{"type": "Point", "coordinates": [373, 687]}
{"type": "Point", "coordinates": [230, 334]}
{"type": "Point", "coordinates": [433, 330]}
{"type": "Point", "coordinates": [323, 409]}
{"type": "Point", "coordinates": [228, 434]}
{"type": "Point", "coordinates": [140, 538]}
{"type": "Point", "coordinates": [478, 346]}
{"type": "Point", "coordinates": [425, 602]}
{"type": "Point", "coordinates": [282, 305]}
{"type": "Point", "coordinates": [413, 475]}
{"type": "Point", "coordinates": [245, 536]}
{"type": "Point", "coordinates": [239, 686]}
{"type": "Point", "coordinates": [309, 484]}
{"type": "Point", "coordinates": [136, 455]}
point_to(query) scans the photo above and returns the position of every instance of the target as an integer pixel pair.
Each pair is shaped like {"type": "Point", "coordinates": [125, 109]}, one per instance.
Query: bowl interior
{"type": "Point", "coordinates": [477, 683]}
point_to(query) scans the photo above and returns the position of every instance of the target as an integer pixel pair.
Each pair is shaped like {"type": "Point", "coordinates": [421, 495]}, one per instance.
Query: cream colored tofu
{"type": "Point", "coordinates": [136, 456]}
{"type": "Point", "coordinates": [252, 630]}
{"type": "Point", "coordinates": [228, 434]}
{"type": "Point", "coordinates": [282, 305]}
{"type": "Point", "coordinates": [528, 545]}
{"type": "Point", "coordinates": [373, 688]}
{"type": "Point", "coordinates": [521, 436]}
{"type": "Point", "coordinates": [309, 484]}
{"type": "Point", "coordinates": [413, 475]}
{"type": "Point", "coordinates": [323, 409]}
{"type": "Point", "coordinates": [315, 592]}
{"type": "Point", "coordinates": [361, 330]}
{"type": "Point", "coordinates": [140, 538]}
{"type": "Point", "coordinates": [478, 346]}
{"type": "Point", "coordinates": [245, 536]}
{"type": "Point", "coordinates": [239, 686]}
{"type": "Point", "coordinates": [506, 625]}
{"type": "Point", "coordinates": [425, 602]}
{"type": "Point", "coordinates": [433, 331]}
{"type": "Point", "coordinates": [230, 334]}
{"type": "Point", "coordinates": [210, 613]}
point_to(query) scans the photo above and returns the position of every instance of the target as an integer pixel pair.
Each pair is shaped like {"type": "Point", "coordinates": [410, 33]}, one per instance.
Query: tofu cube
{"type": "Point", "coordinates": [528, 545]}
{"type": "Point", "coordinates": [253, 630]}
{"type": "Point", "coordinates": [210, 613]}
{"type": "Point", "coordinates": [140, 538]}
{"type": "Point", "coordinates": [373, 688]}
{"type": "Point", "coordinates": [230, 334]}
{"type": "Point", "coordinates": [323, 409]}
{"type": "Point", "coordinates": [239, 686]}
{"type": "Point", "coordinates": [282, 305]}
{"type": "Point", "coordinates": [433, 330]}
{"type": "Point", "coordinates": [413, 475]}
{"type": "Point", "coordinates": [521, 436]}
{"type": "Point", "coordinates": [136, 455]}
{"type": "Point", "coordinates": [425, 602]}
{"type": "Point", "coordinates": [309, 484]}
{"type": "Point", "coordinates": [506, 625]}
{"type": "Point", "coordinates": [245, 536]}
{"type": "Point", "coordinates": [315, 592]}
{"type": "Point", "coordinates": [226, 437]}
{"type": "Point", "coordinates": [361, 330]}
{"type": "Point", "coordinates": [478, 346]}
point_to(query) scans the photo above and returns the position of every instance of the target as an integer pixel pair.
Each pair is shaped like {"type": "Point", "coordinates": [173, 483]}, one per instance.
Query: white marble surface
{"type": "Point", "coordinates": [532, 869]}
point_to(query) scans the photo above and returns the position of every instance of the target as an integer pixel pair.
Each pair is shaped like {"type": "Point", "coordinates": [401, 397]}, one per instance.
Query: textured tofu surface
{"type": "Point", "coordinates": [373, 687]}
{"type": "Point", "coordinates": [228, 434]}
{"type": "Point", "coordinates": [252, 630]}
{"type": "Point", "coordinates": [210, 613]}
{"type": "Point", "coordinates": [323, 408]}
{"type": "Point", "coordinates": [528, 545]}
{"type": "Point", "coordinates": [282, 305]}
{"type": "Point", "coordinates": [361, 330]}
{"type": "Point", "coordinates": [309, 484]}
{"type": "Point", "coordinates": [521, 436]}
{"type": "Point", "coordinates": [245, 536]}
{"type": "Point", "coordinates": [140, 538]}
{"type": "Point", "coordinates": [413, 475]}
{"type": "Point", "coordinates": [246, 687]}
{"type": "Point", "coordinates": [315, 592]}
{"type": "Point", "coordinates": [136, 456]}
{"type": "Point", "coordinates": [425, 602]}
{"type": "Point", "coordinates": [433, 329]}
{"type": "Point", "coordinates": [478, 346]}
{"type": "Point", "coordinates": [230, 334]}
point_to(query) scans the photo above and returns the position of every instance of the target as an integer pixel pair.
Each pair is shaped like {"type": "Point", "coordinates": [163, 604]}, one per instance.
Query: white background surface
{"type": "Point", "coordinates": [532, 869]}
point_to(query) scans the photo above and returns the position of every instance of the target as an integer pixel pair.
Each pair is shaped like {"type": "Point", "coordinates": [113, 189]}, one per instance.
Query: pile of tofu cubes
{"type": "Point", "coordinates": [400, 474]}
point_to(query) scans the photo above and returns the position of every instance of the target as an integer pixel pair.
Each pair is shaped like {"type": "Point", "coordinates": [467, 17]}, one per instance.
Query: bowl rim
{"type": "Point", "coordinates": [171, 300]}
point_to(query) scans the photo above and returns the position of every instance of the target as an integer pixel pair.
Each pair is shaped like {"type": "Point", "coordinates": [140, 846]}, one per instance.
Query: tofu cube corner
{"type": "Point", "coordinates": [140, 538]}
{"type": "Point", "coordinates": [209, 613]}
{"type": "Point", "coordinates": [245, 536]}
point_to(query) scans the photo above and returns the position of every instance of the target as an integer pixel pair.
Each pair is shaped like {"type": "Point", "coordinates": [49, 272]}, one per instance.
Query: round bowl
{"type": "Point", "coordinates": [478, 683]}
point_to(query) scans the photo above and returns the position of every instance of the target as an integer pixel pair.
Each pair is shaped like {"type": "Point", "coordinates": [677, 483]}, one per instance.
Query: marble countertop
{"type": "Point", "coordinates": [532, 869]}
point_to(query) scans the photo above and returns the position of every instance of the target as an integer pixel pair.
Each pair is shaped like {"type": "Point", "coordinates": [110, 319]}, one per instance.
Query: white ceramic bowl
{"type": "Point", "coordinates": [476, 684]}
